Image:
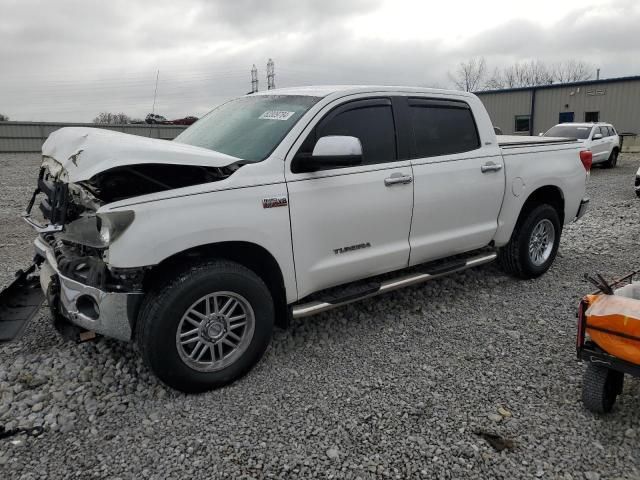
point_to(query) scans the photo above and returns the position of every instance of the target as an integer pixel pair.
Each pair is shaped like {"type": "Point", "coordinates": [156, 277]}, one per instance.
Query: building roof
{"type": "Point", "coordinates": [561, 85]}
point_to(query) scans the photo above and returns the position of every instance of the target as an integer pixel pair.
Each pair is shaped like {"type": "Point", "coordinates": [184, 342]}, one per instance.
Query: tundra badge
{"type": "Point", "coordinates": [351, 248]}
{"type": "Point", "coordinates": [272, 202]}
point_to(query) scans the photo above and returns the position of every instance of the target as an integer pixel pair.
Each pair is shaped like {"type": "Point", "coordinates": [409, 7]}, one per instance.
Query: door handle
{"type": "Point", "coordinates": [397, 179]}
{"type": "Point", "coordinates": [490, 167]}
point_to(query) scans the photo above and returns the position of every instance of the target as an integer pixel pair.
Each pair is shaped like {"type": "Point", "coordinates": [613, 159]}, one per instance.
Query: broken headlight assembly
{"type": "Point", "coordinates": [112, 224]}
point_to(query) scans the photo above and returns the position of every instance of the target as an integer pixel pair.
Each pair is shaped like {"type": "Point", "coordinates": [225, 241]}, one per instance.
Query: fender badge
{"type": "Point", "coordinates": [351, 248]}
{"type": "Point", "coordinates": [274, 202]}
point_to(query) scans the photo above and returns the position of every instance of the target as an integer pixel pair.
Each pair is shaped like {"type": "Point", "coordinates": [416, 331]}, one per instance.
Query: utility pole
{"type": "Point", "coordinates": [254, 79]}
{"type": "Point", "coordinates": [271, 75]}
{"type": "Point", "coordinates": [153, 108]}
{"type": "Point", "coordinates": [155, 92]}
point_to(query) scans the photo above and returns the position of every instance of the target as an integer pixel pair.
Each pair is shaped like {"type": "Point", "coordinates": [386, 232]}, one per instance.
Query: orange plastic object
{"type": "Point", "coordinates": [613, 323]}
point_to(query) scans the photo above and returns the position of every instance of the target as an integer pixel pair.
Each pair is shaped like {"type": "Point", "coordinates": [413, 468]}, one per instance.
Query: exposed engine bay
{"type": "Point", "coordinates": [85, 264]}
{"type": "Point", "coordinates": [124, 182]}
{"type": "Point", "coordinates": [78, 246]}
{"type": "Point", "coordinates": [64, 202]}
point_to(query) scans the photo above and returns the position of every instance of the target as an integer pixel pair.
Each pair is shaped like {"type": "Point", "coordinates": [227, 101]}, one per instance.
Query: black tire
{"type": "Point", "coordinates": [612, 161]}
{"type": "Point", "coordinates": [600, 387]}
{"type": "Point", "coordinates": [162, 310]}
{"type": "Point", "coordinates": [514, 257]}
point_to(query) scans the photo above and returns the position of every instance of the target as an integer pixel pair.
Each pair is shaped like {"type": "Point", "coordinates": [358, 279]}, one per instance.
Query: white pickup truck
{"type": "Point", "coordinates": [285, 203]}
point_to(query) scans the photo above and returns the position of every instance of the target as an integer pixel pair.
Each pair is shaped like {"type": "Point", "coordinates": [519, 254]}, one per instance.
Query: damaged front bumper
{"type": "Point", "coordinates": [108, 313]}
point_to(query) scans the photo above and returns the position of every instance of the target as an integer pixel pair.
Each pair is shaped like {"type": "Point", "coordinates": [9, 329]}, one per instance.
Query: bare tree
{"type": "Point", "coordinates": [4, 118]}
{"type": "Point", "coordinates": [527, 74]}
{"type": "Point", "coordinates": [495, 81]}
{"type": "Point", "coordinates": [469, 75]}
{"type": "Point", "coordinates": [107, 118]}
{"type": "Point", "coordinates": [572, 71]}
{"type": "Point", "coordinates": [472, 75]}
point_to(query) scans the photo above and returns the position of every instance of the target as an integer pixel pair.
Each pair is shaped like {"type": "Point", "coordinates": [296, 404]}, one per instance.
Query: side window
{"type": "Point", "coordinates": [591, 116]}
{"type": "Point", "coordinates": [370, 120]}
{"type": "Point", "coordinates": [612, 132]}
{"type": "Point", "coordinates": [442, 128]}
{"type": "Point", "coordinates": [522, 123]}
{"type": "Point", "coordinates": [604, 131]}
{"type": "Point", "coordinates": [373, 125]}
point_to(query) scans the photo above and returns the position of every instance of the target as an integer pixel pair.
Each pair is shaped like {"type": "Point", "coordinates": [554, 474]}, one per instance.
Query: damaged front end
{"type": "Point", "coordinates": [83, 172]}
{"type": "Point", "coordinates": [84, 293]}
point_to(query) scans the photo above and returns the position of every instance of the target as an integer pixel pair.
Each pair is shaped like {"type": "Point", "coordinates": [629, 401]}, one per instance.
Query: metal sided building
{"type": "Point", "coordinates": [530, 110]}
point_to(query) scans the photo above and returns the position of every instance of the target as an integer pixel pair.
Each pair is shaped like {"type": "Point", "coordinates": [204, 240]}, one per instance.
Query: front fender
{"type": "Point", "coordinates": [164, 228]}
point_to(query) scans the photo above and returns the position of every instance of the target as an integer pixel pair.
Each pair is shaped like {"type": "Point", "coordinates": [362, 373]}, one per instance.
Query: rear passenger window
{"type": "Point", "coordinates": [442, 127]}
{"type": "Point", "coordinates": [612, 132]}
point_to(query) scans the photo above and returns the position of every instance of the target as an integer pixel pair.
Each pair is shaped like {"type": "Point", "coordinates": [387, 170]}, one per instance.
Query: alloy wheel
{"type": "Point", "coordinates": [215, 331]}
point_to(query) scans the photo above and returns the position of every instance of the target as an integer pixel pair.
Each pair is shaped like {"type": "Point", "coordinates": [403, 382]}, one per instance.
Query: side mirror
{"type": "Point", "coordinates": [333, 151]}
{"type": "Point", "coordinates": [597, 136]}
{"type": "Point", "coordinates": [541, 134]}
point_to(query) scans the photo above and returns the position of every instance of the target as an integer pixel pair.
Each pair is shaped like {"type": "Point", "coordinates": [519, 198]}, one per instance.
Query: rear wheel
{"type": "Point", "coordinates": [613, 159]}
{"type": "Point", "coordinates": [207, 327]}
{"type": "Point", "coordinates": [534, 243]}
{"type": "Point", "coordinates": [600, 388]}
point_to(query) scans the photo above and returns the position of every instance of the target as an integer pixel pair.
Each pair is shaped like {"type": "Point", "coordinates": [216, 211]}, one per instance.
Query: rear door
{"type": "Point", "coordinates": [351, 223]}
{"type": "Point", "coordinates": [458, 183]}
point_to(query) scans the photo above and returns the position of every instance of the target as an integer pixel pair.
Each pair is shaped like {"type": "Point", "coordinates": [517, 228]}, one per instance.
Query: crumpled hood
{"type": "Point", "coordinates": [85, 151]}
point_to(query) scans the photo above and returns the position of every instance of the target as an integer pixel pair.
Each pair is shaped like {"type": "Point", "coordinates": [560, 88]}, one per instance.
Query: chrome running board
{"type": "Point", "coordinates": [317, 306]}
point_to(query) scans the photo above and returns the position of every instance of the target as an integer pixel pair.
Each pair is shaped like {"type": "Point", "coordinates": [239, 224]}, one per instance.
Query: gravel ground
{"type": "Point", "coordinates": [395, 386]}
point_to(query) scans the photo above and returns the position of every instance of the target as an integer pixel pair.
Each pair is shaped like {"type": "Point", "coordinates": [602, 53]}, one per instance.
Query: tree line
{"type": "Point", "coordinates": [474, 75]}
{"type": "Point", "coordinates": [108, 118]}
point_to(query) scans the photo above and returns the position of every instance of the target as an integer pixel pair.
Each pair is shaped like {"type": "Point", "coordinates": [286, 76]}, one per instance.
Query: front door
{"type": "Point", "coordinates": [600, 148]}
{"type": "Point", "coordinates": [348, 223]}
{"type": "Point", "coordinates": [458, 182]}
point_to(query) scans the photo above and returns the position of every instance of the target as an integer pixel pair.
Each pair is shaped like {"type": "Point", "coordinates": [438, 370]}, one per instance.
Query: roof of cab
{"type": "Point", "coordinates": [326, 90]}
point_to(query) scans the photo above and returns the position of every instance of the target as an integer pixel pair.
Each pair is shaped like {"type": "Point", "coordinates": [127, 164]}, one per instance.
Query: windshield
{"type": "Point", "coordinates": [249, 127]}
{"type": "Point", "coordinates": [569, 131]}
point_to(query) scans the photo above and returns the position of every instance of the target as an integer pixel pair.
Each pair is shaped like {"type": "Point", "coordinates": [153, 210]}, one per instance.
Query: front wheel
{"type": "Point", "coordinates": [534, 243]}
{"type": "Point", "coordinates": [207, 327]}
{"type": "Point", "coordinates": [612, 161]}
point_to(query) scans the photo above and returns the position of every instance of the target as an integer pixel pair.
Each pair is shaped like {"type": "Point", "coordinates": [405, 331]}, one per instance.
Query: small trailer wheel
{"type": "Point", "coordinates": [600, 387]}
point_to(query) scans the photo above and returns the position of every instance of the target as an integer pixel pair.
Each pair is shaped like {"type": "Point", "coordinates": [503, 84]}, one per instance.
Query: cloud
{"type": "Point", "coordinates": [263, 18]}
{"type": "Point", "coordinates": [69, 60]}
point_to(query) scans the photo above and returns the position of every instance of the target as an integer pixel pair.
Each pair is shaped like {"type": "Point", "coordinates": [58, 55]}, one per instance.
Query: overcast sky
{"type": "Point", "coordinates": [71, 59]}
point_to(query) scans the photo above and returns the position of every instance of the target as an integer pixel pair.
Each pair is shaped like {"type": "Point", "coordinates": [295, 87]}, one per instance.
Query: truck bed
{"type": "Point", "coordinates": [527, 141]}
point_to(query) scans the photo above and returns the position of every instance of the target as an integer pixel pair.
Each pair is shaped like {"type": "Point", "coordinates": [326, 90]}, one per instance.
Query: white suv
{"type": "Point", "coordinates": [601, 138]}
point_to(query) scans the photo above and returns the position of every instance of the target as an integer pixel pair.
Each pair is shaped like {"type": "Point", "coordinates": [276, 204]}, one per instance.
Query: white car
{"type": "Point", "coordinates": [285, 203]}
{"type": "Point", "coordinates": [601, 138]}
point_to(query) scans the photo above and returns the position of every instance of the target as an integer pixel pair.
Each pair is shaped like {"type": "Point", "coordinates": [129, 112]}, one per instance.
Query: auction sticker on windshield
{"type": "Point", "coordinates": [276, 115]}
